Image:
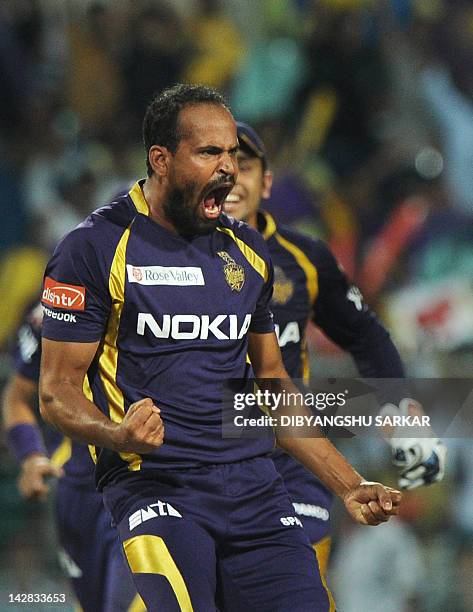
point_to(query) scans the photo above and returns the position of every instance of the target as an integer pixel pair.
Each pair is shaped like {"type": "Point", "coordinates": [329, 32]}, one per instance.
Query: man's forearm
{"type": "Point", "coordinates": [23, 434]}
{"type": "Point", "coordinates": [17, 400]}
{"type": "Point", "coordinates": [317, 454]}
{"type": "Point", "coordinates": [322, 458]}
{"type": "Point", "coordinates": [65, 406]}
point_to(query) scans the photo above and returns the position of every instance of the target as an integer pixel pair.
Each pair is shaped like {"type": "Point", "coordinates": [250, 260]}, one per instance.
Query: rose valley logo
{"type": "Point", "coordinates": [137, 274]}
{"type": "Point", "coordinates": [63, 295]}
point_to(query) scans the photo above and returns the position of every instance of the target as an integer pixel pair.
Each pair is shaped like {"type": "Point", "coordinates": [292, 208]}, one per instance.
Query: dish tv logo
{"type": "Point", "coordinates": [62, 295]}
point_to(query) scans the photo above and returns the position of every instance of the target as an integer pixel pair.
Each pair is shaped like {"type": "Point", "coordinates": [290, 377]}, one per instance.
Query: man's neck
{"type": "Point", "coordinates": [154, 198]}
{"type": "Point", "coordinates": [253, 221]}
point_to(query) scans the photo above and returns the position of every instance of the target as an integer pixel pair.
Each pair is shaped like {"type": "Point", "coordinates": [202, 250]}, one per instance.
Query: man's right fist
{"type": "Point", "coordinates": [142, 430]}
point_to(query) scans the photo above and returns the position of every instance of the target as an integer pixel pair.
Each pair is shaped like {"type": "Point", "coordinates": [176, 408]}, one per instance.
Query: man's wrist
{"type": "Point", "coordinates": [115, 436]}
{"type": "Point", "coordinates": [35, 458]}
{"type": "Point", "coordinates": [347, 487]}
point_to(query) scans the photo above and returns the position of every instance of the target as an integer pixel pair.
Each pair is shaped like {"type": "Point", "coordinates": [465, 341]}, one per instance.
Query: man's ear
{"type": "Point", "coordinates": [267, 184]}
{"type": "Point", "coordinates": [159, 160]}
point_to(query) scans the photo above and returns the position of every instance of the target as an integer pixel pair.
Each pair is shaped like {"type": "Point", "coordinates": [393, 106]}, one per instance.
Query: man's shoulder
{"type": "Point", "coordinates": [243, 231]}
{"type": "Point", "coordinates": [315, 249]}
{"type": "Point", "coordinates": [114, 217]}
{"type": "Point", "coordinates": [103, 227]}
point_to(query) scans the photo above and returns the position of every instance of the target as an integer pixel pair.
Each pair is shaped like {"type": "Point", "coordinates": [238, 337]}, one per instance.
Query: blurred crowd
{"type": "Point", "coordinates": [366, 108]}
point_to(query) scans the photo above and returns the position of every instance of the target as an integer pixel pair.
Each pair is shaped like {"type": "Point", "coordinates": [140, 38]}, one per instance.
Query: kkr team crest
{"type": "Point", "coordinates": [283, 287]}
{"type": "Point", "coordinates": [234, 273]}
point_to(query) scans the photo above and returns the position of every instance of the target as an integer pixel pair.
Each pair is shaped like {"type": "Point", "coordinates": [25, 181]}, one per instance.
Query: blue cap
{"type": "Point", "coordinates": [251, 143]}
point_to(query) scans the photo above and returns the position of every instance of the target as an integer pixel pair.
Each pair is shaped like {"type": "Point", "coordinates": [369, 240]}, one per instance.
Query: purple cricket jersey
{"type": "Point", "coordinates": [171, 316]}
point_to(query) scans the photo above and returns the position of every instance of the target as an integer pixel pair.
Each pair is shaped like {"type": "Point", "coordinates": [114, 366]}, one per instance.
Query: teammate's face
{"type": "Point", "coordinates": [203, 170]}
{"type": "Point", "coordinates": [252, 185]}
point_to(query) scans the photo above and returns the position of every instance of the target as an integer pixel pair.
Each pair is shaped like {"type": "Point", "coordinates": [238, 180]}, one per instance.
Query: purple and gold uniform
{"type": "Point", "coordinates": [172, 317]}
{"type": "Point", "coordinates": [90, 550]}
{"type": "Point", "coordinates": [310, 286]}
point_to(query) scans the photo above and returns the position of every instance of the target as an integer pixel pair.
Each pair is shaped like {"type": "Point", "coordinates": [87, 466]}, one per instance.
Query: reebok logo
{"type": "Point", "coordinates": [152, 511]}
{"type": "Point", "coordinates": [67, 317]}
{"type": "Point", "coordinates": [62, 295]}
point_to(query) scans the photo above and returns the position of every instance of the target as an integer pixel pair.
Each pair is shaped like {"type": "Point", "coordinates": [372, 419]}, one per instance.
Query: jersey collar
{"type": "Point", "coordinates": [138, 199]}
{"type": "Point", "coordinates": [266, 224]}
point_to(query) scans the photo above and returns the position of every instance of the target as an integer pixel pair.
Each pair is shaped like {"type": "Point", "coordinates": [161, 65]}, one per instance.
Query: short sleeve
{"type": "Point", "coordinates": [262, 320]}
{"type": "Point", "coordinates": [76, 300]}
{"type": "Point", "coordinates": [27, 352]}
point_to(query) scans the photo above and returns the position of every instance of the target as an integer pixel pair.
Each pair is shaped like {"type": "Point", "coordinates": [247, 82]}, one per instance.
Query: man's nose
{"type": "Point", "coordinates": [228, 165]}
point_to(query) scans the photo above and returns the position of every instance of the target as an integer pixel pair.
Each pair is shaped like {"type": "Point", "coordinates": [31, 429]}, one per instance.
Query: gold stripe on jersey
{"type": "Point", "coordinates": [251, 256]}
{"type": "Point", "coordinates": [148, 554]}
{"type": "Point", "coordinates": [137, 605]}
{"type": "Point", "coordinates": [322, 552]}
{"type": "Point", "coordinates": [92, 452]}
{"type": "Point", "coordinates": [307, 266]}
{"type": "Point", "coordinates": [305, 361]}
{"type": "Point", "coordinates": [62, 454]}
{"type": "Point", "coordinates": [138, 198]}
{"type": "Point", "coordinates": [270, 227]}
{"type": "Point", "coordinates": [87, 391]}
{"type": "Point", "coordinates": [108, 360]}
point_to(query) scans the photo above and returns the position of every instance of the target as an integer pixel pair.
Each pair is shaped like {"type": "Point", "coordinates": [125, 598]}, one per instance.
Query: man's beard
{"type": "Point", "coordinates": [184, 216]}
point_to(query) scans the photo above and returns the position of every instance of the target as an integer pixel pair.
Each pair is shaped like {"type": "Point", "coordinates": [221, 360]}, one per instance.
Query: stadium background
{"type": "Point", "coordinates": [367, 111]}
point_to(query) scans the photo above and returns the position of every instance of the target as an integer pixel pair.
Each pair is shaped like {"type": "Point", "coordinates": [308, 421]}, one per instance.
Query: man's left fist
{"type": "Point", "coordinates": [371, 503]}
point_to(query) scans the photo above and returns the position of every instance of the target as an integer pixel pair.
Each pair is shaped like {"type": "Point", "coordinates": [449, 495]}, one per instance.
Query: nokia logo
{"type": "Point", "coordinates": [189, 327]}
{"type": "Point", "coordinates": [289, 334]}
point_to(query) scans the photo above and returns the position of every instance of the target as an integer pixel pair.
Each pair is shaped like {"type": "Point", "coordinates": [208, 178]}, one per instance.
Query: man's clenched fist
{"type": "Point", "coordinates": [371, 503]}
{"type": "Point", "coordinates": [35, 470]}
{"type": "Point", "coordinates": [142, 430]}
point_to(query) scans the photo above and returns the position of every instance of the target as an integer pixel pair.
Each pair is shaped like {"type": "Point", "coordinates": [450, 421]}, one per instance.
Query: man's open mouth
{"type": "Point", "coordinates": [214, 199]}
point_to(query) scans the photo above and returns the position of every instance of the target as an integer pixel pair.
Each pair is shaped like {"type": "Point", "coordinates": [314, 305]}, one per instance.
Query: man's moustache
{"type": "Point", "coordinates": [221, 181]}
